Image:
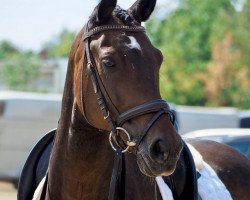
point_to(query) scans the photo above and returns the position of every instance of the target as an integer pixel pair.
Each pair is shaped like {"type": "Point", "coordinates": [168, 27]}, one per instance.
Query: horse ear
{"type": "Point", "coordinates": [103, 10]}
{"type": "Point", "coordinates": [142, 9]}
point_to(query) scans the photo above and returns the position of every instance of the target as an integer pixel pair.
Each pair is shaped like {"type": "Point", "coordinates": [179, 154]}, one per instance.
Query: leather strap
{"type": "Point", "coordinates": [149, 125]}
{"type": "Point", "coordinates": [149, 107]}
{"type": "Point", "coordinates": [96, 81]}
{"type": "Point", "coordinates": [117, 183]}
{"type": "Point", "coordinates": [99, 29]}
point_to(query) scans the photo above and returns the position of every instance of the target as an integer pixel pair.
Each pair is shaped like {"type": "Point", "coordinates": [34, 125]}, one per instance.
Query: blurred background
{"type": "Point", "coordinates": [205, 74]}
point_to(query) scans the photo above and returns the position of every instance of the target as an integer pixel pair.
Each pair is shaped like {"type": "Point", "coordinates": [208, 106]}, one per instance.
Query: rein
{"type": "Point", "coordinates": [158, 107]}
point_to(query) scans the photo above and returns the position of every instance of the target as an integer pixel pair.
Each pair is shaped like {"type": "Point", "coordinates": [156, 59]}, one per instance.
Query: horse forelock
{"type": "Point", "coordinates": [119, 13]}
{"type": "Point", "coordinates": [123, 15]}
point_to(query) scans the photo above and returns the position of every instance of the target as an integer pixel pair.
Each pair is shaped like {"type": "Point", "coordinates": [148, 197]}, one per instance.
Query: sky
{"type": "Point", "coordinates": [30, 23]}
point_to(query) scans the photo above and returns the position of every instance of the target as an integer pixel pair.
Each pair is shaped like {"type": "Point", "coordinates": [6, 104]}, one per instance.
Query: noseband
{"type": "Point", "coordinates": [158, 106]}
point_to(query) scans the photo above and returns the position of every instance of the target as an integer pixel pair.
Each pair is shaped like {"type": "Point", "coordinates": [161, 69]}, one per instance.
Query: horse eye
{"type": "Point", "coordinates": [108, 62]}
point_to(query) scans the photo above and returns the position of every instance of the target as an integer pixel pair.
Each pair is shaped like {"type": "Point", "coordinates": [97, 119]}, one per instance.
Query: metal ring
{"type": "Point", "coordinates": [126, 132]}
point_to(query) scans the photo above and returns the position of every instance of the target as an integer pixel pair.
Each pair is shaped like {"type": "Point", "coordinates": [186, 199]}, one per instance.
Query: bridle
{"type": "Point", "coordinates": [158, 106]}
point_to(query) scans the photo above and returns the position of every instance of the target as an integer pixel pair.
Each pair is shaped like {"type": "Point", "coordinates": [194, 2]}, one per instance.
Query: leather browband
{"type": "Point", "coordinates": [112, 27]}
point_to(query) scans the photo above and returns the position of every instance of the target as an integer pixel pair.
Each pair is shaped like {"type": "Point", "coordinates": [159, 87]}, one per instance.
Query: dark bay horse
{"type": "Point", "coordinates": [112, 84]}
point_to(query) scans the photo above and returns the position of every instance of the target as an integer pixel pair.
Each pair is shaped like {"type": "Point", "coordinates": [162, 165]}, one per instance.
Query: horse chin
{"type": "Point", "coordinates": [152, 169]}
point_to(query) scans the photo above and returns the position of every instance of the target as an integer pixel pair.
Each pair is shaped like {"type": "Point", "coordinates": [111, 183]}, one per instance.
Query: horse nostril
{"type": "Point", "coordinates": [159, 151]}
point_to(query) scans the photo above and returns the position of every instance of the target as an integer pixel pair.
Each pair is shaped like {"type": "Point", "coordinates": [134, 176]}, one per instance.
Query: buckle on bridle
{"type": "Point", "coordinates": [115, 147]}
{"type": "Point", "coordinates": [107, 116]}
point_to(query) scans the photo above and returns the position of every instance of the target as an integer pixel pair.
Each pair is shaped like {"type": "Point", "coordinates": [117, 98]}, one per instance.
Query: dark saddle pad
{"type": "Point", "coordinates": [35, 167]}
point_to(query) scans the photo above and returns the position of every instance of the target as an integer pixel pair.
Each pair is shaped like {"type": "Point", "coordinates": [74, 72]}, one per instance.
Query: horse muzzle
{"type": "Point", "coordinates": [158, 158]}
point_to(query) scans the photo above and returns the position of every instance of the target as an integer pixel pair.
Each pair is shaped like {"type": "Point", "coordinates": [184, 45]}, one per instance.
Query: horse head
{"type": "Point", "coordinates": [120, 64]}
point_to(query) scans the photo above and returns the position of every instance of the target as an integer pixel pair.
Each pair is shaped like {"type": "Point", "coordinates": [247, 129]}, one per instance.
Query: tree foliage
{"type": "Point", "coordinates": [18, 68]}
{"type": "Point", "coordinates": [60, 46]}
{"type": "Point", "coordinates": [20, 71]}
{"type": "Point", "coordinates": [204, 45]}
{"type": "Point", "coordinates": [7, 49]}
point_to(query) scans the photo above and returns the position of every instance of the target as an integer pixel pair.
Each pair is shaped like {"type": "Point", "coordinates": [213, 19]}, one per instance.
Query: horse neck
{"type": "Point", "coordinates": [88, 145]}
{"type": "Point", "coordinates": [80, 156]}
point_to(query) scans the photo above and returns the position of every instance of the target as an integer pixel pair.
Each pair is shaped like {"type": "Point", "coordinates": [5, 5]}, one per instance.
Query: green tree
{"type": "Point", "coordinates": [60, 46]}
{"type": "Point", "coordinates": [7, 49]}
{"type": "Point", "coordinates": [20, 71]}
{"type": "Point", "coordinates": [241, 35]}
{"type": "Point", "coordinates": [187, 38]}
{"type": "Point", "coordinates": [226, 81]}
